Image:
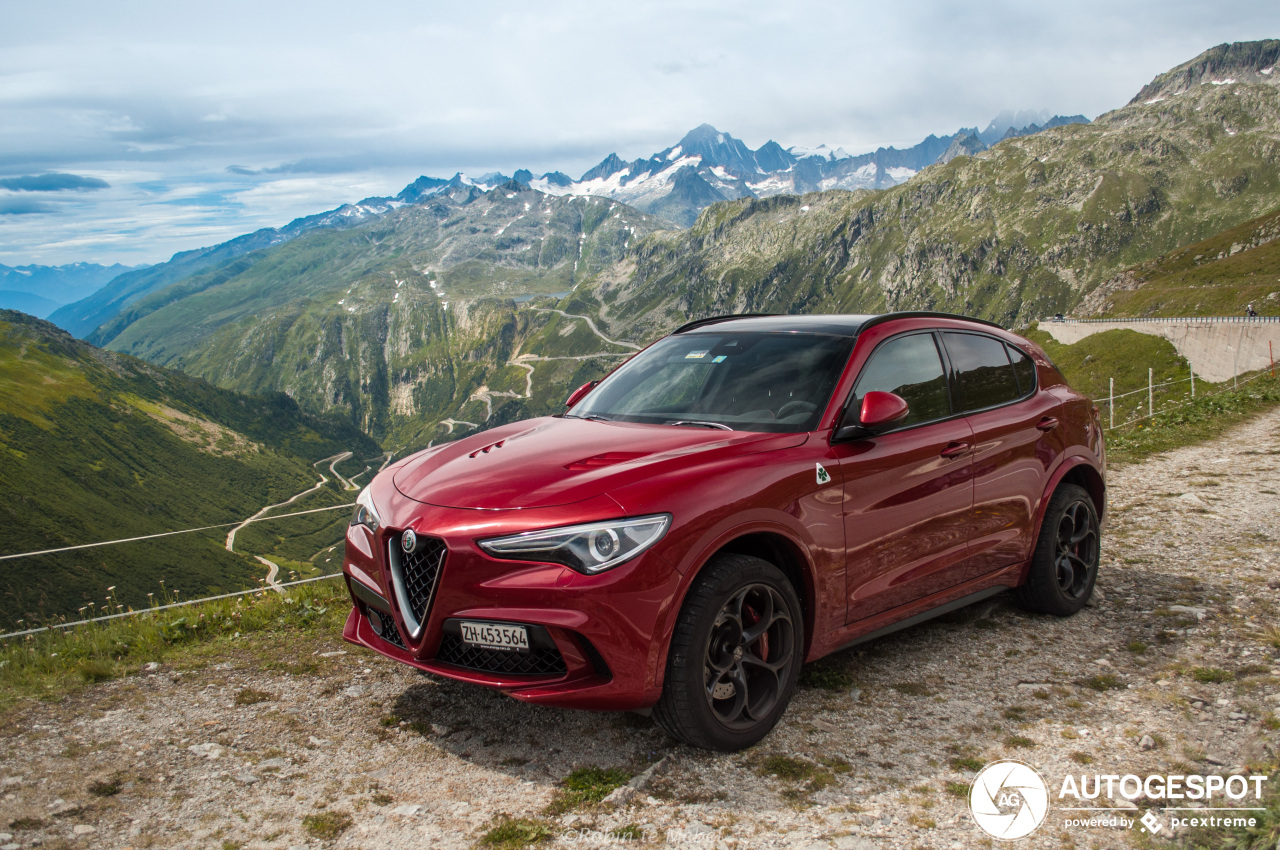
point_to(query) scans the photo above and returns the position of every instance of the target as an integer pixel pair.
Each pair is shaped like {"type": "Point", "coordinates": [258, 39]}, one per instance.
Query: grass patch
{"type": "Point", "coordinates": [1081, 758]}
{"type": "Point", "coordinates": [1104, 682]}
{"type": "Point", "coordinates": [106, 787]}
{"type": "Point", "coordinates": [509, 833]}
{"type": "Point", "coordinates": [1137, 647]}
{"type": "Point", "coordinates": [1211, 675]}
{"type": "Point", "coordinates": [1019, 742]}
{"type": "Point", "coordinates": [249, 696]}
{"type": "Point", "coordinates": [586, 786]}
{"type": "Point", "coordinates": [824, 677]}
{"type": "Point", "coordinates": [805, 777]}
{"type": "Point", "coordinates": [1205, 418]}
{"type": "Point", "coordinates": [912, 689]}
{"type": "Point", "coordinates": [966, 763]}
{"type": "Point", "coordinates": [957, 789]}
{"type": "Point", "coordinates": [52, 664]}
{"type": "Point", "coordinates": [326, 825]}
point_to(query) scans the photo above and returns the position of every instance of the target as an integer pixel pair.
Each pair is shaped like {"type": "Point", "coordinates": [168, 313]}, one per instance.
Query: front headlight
{"type": "Point", "coordinates": [366, 514]}
{"type": "Point", "coordinates": [590, 548]}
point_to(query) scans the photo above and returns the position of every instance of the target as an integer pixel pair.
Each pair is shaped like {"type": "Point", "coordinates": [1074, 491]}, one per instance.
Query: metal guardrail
{"type": "Point", "coordinates": [1232, 320]}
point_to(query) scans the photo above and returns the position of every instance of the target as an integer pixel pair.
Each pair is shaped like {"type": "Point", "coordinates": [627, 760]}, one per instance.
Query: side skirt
{"type": "Point", "coordinates": [946, 608]}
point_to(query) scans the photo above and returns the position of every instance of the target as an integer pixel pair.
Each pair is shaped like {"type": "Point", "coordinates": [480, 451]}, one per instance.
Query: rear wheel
{"type": "Point", "coordinates": [734, 657]}
{"type": "Point", "coordinates": [1065, 565]}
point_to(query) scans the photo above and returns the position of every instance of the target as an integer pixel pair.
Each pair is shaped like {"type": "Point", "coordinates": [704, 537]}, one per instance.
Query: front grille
{"type": "Point", "coordinates": [414, 578]}
{"type": "Point", "coordinates": [538, 661]}
{"type": "Point", "coordinates": [388, 632]}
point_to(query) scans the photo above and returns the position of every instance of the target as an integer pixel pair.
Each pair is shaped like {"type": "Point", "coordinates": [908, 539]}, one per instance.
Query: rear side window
{"type": "Point", "coordinates": [909, 366]}
{"type": "Point", "coordinates": [984, 375]}
{"type": "Point", "coordinates": [1024, 369]}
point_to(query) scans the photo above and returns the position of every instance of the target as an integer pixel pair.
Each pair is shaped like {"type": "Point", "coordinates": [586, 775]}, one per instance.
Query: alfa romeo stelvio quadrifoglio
{"type": "Point", "coordinates": [743, 496]}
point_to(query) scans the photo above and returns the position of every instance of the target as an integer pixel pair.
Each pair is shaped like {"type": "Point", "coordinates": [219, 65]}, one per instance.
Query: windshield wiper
{"type": "Point", "coordinates": [594, 417]}
{"type": "Point", "coordinates": [701, 423]}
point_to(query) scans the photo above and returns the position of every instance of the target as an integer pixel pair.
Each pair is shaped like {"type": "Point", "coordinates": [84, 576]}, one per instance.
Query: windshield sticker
{"type": "Point", "coordinates": [696, 355]}
{"type": "Point", "coordinates": [719, 358]}
{"type": "Point", "coordinates": [823, 476]}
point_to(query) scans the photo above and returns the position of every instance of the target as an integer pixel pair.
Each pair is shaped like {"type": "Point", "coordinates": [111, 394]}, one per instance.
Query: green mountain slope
{"type": "Point", "coordinates": [100, 446]}
{"type": "Point", "coordinates": [387, 319]}
{"type": "Point", "coordinates": [1218, 276]}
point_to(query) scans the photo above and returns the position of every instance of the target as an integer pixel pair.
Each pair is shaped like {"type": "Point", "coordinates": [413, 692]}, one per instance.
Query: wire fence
{"type": "Point", "coordinates": [157, 608]}
{"type": "Point", "coordinates": [1192, 320]}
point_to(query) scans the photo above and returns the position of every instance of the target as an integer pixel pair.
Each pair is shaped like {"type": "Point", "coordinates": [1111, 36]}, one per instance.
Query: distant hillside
{"type": "Point", "coordinates": [40, 290]}
{"type": "Point", "coordinates": [81, 317]}
{"type": "Point", "coordinates": [380, 321]}
{"type": "Point", "coordinates": [1219, 276]}
{"type": "Point", "coordinates": [98, 446]}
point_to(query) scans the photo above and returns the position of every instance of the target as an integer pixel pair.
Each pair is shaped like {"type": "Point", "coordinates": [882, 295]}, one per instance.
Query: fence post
{"type": "Point", "coordinates": [1271, 351]}
{"type": "Point", "coordinates": [1111, 403]}
{"type": "Point", "coordinates": [1151, 391]}
{"type": "Point", "coordinates": [1193, 379]}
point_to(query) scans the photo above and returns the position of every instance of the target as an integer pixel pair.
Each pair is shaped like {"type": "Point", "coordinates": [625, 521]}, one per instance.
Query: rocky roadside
{"type": "Point", "coordinates": [1175, 668]}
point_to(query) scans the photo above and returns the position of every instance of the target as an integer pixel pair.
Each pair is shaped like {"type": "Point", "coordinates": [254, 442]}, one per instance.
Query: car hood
{"type": "Point", "coordinates": [541, 463]}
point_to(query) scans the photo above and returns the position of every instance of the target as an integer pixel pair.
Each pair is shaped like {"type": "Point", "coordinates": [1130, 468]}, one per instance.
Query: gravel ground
{"type": "Point", "coordinates": [876, 751]}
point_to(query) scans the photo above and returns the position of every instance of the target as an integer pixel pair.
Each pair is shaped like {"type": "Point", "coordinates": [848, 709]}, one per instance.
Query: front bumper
{"type": "Point", "coordinates": [595, 640]}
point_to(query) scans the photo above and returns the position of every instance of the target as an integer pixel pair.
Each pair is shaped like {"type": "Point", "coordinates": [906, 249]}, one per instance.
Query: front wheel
{"type": "Point", "coordinates": [734, 657]}
{"type": "Point", "coordinates": [1065, 564]}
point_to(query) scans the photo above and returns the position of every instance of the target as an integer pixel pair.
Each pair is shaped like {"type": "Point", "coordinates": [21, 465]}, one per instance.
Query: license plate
{"type": "Point", "coordinates": [496, 636]}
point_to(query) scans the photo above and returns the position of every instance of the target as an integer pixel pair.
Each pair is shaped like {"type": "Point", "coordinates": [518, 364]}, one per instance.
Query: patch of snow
{"type": "Point", "coordinates": [1153, 100]}
{"type": "Point", "coordinates": [901, 173]}
{"type": "Point", "coordinates": [342, 301]}
{"type": "Point", "coordinates": [868, 171]}
{"type": "Point", "coordinates": [1230, 132]}
{"type": "Point", "coordinates": [1227, 82]}
{"type": "Point", "coordinates": [719, 171]}
{"type": "Point", "coordinates": [675, 152]}
{"type": "Point", "coordinates": [824, 151]}
{"type": "Point", "coordinates": [1267, 71]}
{"type": "Point", "coordinates": [510, 195]}
{"type": "Point", "coordinates": [804, 208]}
{"type": "Point", "coordinates": [546, 187]}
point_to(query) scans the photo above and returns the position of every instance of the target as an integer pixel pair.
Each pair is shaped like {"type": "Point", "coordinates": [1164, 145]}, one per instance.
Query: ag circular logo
{"type": "Point", "coordinates": [1008, 800]}
{"type": "Point", "coordinates": [409, 541]}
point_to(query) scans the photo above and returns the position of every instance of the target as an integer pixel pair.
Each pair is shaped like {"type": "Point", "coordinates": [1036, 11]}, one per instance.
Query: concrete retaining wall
{"type": "Point", "coordinates": [1217, 349]}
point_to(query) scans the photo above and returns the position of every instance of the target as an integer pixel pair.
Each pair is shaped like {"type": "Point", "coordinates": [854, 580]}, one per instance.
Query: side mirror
{"type": "Point", "coordinates": [580, 393]}
{"type": "Point", "coordinates": [880, 412]}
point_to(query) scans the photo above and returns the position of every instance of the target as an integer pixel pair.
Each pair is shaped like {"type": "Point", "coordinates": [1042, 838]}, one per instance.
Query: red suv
{"type": "Point", "coordinates": [743, 496]}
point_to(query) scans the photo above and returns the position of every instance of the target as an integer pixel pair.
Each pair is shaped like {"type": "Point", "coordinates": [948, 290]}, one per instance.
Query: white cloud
{"type": "Point", "coordinates": [381, 92]}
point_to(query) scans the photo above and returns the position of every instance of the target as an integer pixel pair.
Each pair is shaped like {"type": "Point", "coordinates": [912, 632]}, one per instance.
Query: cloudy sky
{"type": "Point", "coordinates": [134, 130]}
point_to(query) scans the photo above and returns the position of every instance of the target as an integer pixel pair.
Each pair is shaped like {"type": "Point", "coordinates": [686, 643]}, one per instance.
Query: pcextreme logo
{"type": "Point", "coordinates": [1009, 800]}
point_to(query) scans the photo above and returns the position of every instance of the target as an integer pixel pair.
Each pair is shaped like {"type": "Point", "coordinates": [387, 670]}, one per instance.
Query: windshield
{"type": "Point", "coordinates": [776, 382]}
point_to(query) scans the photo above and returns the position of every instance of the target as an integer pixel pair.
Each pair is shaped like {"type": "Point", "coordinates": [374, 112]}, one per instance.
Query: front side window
{"type": "Point", "coordinates": [984, 375]}
{"type": "Point", "coordinates": [778, 382]}
{"type": "Point", "coordinates": [910, 367]}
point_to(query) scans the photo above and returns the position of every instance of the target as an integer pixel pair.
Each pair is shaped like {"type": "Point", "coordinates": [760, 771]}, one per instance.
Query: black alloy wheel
{"type": "Point", "coordinates": [1064, 567]}
{"type": "Point", "coordinates": [735, 655]}
{"type": "Point", "coordinates": [749, 655]}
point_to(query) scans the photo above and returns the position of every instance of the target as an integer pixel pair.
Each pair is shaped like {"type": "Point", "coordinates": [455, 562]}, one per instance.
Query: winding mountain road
{"type": "Point", "coordinates": [273, 569]}
{"type": "Point", "coordinates": [524, 361]}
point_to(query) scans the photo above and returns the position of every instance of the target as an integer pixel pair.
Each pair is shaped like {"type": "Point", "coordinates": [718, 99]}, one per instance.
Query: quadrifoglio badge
{"type": "Point", "coordinates": [1010, 800]}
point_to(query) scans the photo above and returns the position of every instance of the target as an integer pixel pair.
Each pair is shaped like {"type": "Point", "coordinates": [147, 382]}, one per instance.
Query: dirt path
{"type": "Point", "coordinates": [591, 324]}
{"type": "Point", "coordinates": [1171, 670]}
{"type": "Point", "coordinates": [273, 569]}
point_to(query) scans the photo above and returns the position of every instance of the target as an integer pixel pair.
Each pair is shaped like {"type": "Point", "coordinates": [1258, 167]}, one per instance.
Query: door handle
{"type": "Point", "coordinates": [1047, 424]}
{"type": "Point", "coordinates": [955, 448]}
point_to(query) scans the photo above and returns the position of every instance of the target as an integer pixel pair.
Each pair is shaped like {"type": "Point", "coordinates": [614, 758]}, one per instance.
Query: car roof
{"type": "Point", "coordinates": [832, 324]}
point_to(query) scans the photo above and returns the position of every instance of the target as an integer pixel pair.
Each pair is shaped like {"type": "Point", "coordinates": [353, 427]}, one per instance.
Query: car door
{"type": "Point", "coordinates": [908, 493]}
{"type": "Point", "coordinates": [1016, 436]}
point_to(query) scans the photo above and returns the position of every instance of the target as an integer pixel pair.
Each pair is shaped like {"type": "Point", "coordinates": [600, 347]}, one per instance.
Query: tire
{"type": "Point", "coordinates": [1065, 564]}
{"type": "Point", "coordinates": [726, 685]}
